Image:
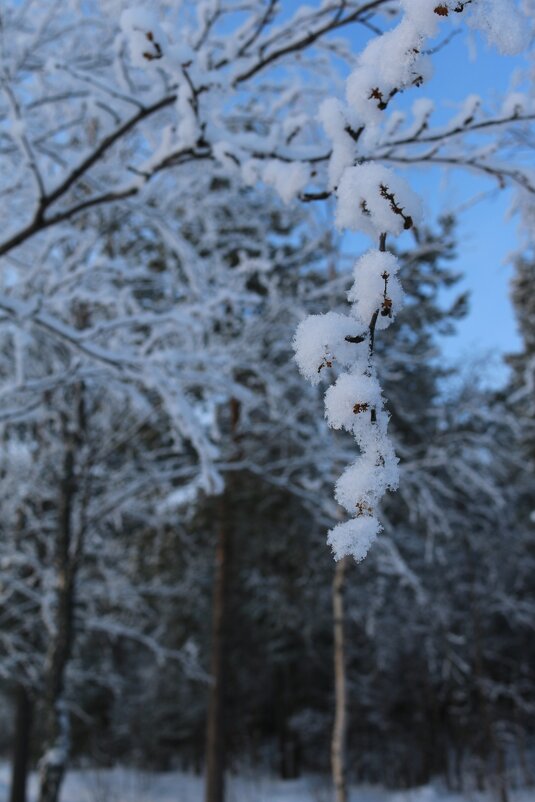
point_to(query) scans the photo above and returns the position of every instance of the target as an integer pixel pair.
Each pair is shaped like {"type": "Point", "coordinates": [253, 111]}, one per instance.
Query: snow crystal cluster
{"type": "Point", "coordinates": [143, 35]}
{"type": "Point", "coordinates": [287, 179]}
{"type": "Point", "coordinates": [503, 24]}
{"type": "Point", "coordinates": [375, 200]}
{"type": "Point", "coordinates": [397, 59]}
{"type": "Point", "coordinates": [320, 340]}
{"type": "Point", "coordinates": [353, 403]}
{"type": "Point", "coordinates": [376, 286]}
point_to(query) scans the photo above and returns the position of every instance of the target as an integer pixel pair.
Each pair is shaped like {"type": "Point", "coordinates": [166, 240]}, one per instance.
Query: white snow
{"type": "Point", "coordinates": [350, 396]}
{"type": "Point", "coordinates": [188, 130]}
{"type": "Point", "coordinates": [505, 27]}
{"type": "Point", "coordinates": [515, 103]}
{"type": "Point", "coordinates": [468, 111]}
{"type": "Point", "coordinates": [287, 179]}
{"type": "Point", "coordinates": [129, 785]}
{"type": "Point", "coordinates": [332, 116]}
{"type": "Point", "coordinates": [422, 14]}
{"type": "Point", "coordinates": [143, 35]}
{"type": "Point", "coordinates": [354, 538]}
{"type": "Point", "coordinates": [373, 199]}
{"type": "Point", "coordinates": [362, 484]}
{"type": "Point", "coordinates": [388, 64]}
{"type": "Point", "coordinates": [320, 340]}
{"type": "Point", "coordinates": [376, 287]}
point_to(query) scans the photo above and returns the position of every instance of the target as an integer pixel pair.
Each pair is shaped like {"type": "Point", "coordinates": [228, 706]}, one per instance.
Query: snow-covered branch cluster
{"type": "Point", "coordinates": [370, 198]}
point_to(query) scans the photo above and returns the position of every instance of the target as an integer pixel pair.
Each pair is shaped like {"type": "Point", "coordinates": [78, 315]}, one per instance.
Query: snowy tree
{"type": "Point", "coordinates": [66, 570]}
{"type": "Point", "coordinates": [207, 293]}
{"type": "Point", "coordinates": [523, 364]}
{"type": "Point", "coordinates": [280, 628]}
{"type": "Point", "coordinates": [110, 114]}
{"type": "Point", "coordinates": [140, 91]}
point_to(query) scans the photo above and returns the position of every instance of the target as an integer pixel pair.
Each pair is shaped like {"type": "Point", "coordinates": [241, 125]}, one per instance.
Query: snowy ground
{"type": "Point", "coordinates": [127, 785]}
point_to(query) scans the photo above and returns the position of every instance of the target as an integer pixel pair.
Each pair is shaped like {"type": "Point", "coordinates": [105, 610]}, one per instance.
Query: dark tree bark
{"type": "Point", "coordinates": [54, 761]}
{"type": "Point", "coordinates": [68, 550]}
{"type": "Point", "coordinates": [21, 750]}
{"type": "Point", "coordinates": [215, 729]}
{"type": "Point", "coordinates": [491, 743]}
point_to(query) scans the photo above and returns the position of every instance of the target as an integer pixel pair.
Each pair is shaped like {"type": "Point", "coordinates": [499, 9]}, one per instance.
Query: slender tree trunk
{"type": "Point", "coordinates": [21, 751]}
{"type": "Point", "coordinates": [501, 771]}
{"type": "Point", "coordinates": [53, 763]}
{"type": "Point", "coordinates": [215, 728]}
{"type": "Point", "coordinates": [215, 731]}
{"type": "Point", "coordinates": [338, 742]}
{"type": "Point", "coordinates": [486, 713]}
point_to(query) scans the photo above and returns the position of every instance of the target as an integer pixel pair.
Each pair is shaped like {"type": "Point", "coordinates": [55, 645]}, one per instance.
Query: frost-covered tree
{"type": "Point", "coordinates": [422, 577]}
{"type": "Point", "coordinates": [67, 573]}
{"type": "Point", "coordinates": [522, 385]}
{"type": "Point", "coordinates": [205, 302]}
{"type": "Point", "coordinates": [110, 114]}
{"type": "Point", "coordinates": [287, 461]}
{"type": "Point", "coordinates": [140, 92]}
{"type": "Point", "coordinates": [59, 545]}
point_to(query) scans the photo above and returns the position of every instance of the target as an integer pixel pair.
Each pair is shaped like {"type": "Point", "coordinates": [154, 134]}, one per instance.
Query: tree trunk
{"type": "Point", "coordinates": [520, 738]}
{"type": "Point", "coordinates": [338, 742]}
{"type": "Point", "coordinates": [215, 728]}
{"type": "Point", "coordinates": [53, 764]}
{"type": "Point", "coordinates": [21, 751]}
{"type": "Point", "coordinates": [215, 731]}
{"type": "Point", "coordinates": [487, 717]}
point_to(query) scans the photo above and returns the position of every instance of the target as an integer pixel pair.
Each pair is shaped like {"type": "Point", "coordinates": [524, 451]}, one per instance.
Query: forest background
{"type": "Point", "coordinates": [167, 599]}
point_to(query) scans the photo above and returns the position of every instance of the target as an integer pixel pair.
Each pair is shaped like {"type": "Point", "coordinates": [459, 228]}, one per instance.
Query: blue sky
{"type": "Point", "coordinates": [486, 236]}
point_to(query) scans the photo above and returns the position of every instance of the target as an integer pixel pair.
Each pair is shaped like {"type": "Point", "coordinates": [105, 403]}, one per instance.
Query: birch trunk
{"type": "Point", "coordinates": [338, 743]}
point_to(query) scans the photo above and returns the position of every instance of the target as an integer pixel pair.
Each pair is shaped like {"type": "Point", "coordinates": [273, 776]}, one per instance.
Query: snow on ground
{"type": "Point", "coordinates": [129, 785]}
